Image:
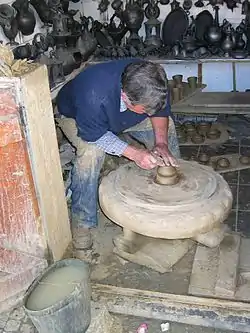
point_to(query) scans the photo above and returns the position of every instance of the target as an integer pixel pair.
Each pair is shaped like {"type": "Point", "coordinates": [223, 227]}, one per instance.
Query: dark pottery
{"type": "Point", "coordinates": [199, 4]}
{"type": "Point", "coordinates": [213, 134]}
{"type": "Point", "coordinates": [244, 160]}
{"type": "Point", "coordinates": [43, 10]}
{"type": "Point", "coordinates": [116, 32]}
{"type": "Point", "coordinates": [8, 23]}
{"type": "Point", "coordinates": [133, 16]}
{"type": "Point", "coordinates": [203, 21]}
{"type": "Point", "coordinates": [153, 32]}
{"type": "Point", "coordinates": [222, 163]}
{"type": "Point", "coordinates": [239, 41]}
{"type": "Point", "coordinates": [164, 2]}
{"type": "Point", "coordinates": [174, 5]}
{"type": "Point", "coordinates": [187, 5]}
{"type": "Point", "coordinates": [214, 34]}
{"type": "Point", "coordinates": [229, 42]}
{"type": "Point", "coordinates": [87, 42]}
{"type": "Point", "coordinates": [25, 17]}
{"type": "Point", "coordinates": [175, 27]}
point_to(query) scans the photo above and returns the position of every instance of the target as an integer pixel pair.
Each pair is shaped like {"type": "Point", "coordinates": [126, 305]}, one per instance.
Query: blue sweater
{"type": "Point", "coordinates": [93, 99]}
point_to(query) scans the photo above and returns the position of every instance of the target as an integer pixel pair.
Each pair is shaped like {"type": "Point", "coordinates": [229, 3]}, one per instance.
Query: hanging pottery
{"type": "Point", "coordinates": [25, 17]}
{"type": "Point", "coordinates": [8, 23]}
{"type": "Point", "coordinates": [43, 10]}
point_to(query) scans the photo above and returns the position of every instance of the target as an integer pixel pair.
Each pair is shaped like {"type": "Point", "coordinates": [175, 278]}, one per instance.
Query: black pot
{"type": "Point", "coordinates": [25, 17]}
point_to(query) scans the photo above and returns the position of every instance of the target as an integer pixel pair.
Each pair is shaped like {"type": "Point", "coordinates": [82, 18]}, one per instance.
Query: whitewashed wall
{"type": "Point", "coordinates": [218, 76]}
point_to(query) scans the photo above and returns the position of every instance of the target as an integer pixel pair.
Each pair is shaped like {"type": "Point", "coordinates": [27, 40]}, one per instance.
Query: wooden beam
{"type": "Point", "coordinates": [40, 132]}
{"type": "Point", "coordinates": [206, 312]}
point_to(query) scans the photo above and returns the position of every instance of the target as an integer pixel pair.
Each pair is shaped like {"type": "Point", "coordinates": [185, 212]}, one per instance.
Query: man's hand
{"type": "Point", "coordinates": [143, 158]}
{"type": "Point", "coordinates": [161, 150]}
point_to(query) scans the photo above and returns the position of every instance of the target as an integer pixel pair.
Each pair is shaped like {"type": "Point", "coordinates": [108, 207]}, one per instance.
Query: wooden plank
{"type": "Point", "coordinates": [219, 100]}
{"type": "Point", "coordinates": [37, 114]}
{"type": "Point", "coordinates": [207, 312]}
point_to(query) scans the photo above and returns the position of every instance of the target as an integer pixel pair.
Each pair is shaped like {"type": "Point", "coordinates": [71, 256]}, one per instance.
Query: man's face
{"type": "Point", "coordinates": [135, 108]}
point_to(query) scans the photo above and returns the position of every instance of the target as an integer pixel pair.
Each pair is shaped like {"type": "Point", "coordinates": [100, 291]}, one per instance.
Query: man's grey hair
{"type": "Point", "coordinates": [145, 83]}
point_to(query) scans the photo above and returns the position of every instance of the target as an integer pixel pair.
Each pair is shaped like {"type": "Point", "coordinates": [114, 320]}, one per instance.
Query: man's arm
{"type": "Point", "coordinates": [160, 127]}
{"type": "Point", "coordinates": [111, 144]}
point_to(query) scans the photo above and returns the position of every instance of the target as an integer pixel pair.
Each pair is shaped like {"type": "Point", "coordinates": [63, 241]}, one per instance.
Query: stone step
{"type": "Point", "coordinates": [214, 271]}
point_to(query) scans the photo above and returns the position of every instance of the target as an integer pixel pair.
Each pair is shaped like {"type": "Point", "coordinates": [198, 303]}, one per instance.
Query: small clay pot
{"type": "Point", "coordinates": [190, 128]}
{"type": "Point", "coordinates": [192, 82]}
{"type": "Point", "coordinates": [182, 136]}
{"type": "Point", "coordinates": [204, 158]}
{"type": "Point", "coordinates": [176, 95]}
{"type": "Point", "coordinates": [166, 176]}
{"type": "Point", "coordinates": [203, 127]}
{"type": "Point", "coordinates": [178, 78]}
{"type": "Point", "coordinates": [197, 138]}
{"type": "Point", "coordinates": [213, 134]}
{"type": "Point", "coordinates": [244, 160]}
{"type": "Point", "coordinates": [222, 163]}
{"type": "Point", "coordinates": [181, 90]}
{"type": "Point", "coordinates": [171, 84]}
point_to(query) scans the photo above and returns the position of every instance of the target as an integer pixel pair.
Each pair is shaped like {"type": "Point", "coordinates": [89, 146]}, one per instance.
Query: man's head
{"type": "Point", "coordinates": [144, 87]}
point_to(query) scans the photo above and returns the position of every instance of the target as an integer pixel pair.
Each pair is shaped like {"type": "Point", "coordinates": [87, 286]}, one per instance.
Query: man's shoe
{"type": "Point", "coordinates": [82, 239]}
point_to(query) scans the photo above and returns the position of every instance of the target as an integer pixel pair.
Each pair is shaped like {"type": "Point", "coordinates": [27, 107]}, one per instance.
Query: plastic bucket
{"type": "Point", "coordinates": [69, 314]}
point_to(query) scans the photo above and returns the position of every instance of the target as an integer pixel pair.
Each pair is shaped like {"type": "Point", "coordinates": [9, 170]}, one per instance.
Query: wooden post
{"type": "Point", "coordinates": [34, 223]}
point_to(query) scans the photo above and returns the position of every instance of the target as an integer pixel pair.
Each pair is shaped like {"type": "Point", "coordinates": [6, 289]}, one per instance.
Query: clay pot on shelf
{"type": "Point", "coordinates": [192, 82]}
{"type": "Point", "coordinates": [204, 158]}
{"type": "Point", "coordinates": [178, 79]}
{"type": "Point", "coordinates": [222, 163]}
{"type": "Point", "coordinates": [213, 134]}
{"type": "Point", "coordinates": [197, 138]}
{"type": "Point", "coordinates": [244, 160]}
{"type": "Point", "coordinates": [203, 127]}
{"type": "Point", "coordinates": [190, 128]}
{"type": "Point", "coordinates": [182, 136]}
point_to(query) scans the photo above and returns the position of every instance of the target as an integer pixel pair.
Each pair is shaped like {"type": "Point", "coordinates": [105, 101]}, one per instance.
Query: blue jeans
{"type": "Point", "coordinates": [85, 175]}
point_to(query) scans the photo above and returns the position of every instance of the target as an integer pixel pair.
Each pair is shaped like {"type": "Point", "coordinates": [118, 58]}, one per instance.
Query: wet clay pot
{"type": "Point", "coordinates": [197, 138]}
{"type": "Point", "coordinates": [166, 176]}
{"type": "Point", "coordinates": [213, 134]}
{"type": "Point", "coordinates": [176, 95]}
{"type": "Point", "coordinates": [204, 158]}
{"type": "Point", "coordinates": [222, 163]}
{"type": "Point", "coordinates": [244, 160]}
{"type": "Point", "coordinates": [25, 17]}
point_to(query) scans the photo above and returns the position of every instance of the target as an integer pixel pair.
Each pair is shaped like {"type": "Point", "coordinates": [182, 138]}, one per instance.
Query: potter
{"type": "Point", "coordinates": [102, 102]}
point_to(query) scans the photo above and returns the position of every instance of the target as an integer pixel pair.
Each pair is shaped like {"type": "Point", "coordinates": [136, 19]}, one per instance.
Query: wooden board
{"type": "Point", "coordinates": [206, 312]}
{"type": "Point", "coordinates": [215, 103]}
{"type": "Point", "coordinates": [40, 134]}
{"type": "Point", "coordinates": [235, 164]}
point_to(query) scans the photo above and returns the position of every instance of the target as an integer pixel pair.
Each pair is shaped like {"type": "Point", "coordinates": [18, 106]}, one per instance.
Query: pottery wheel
{"type": "Point", "coordinates": [200, 201]}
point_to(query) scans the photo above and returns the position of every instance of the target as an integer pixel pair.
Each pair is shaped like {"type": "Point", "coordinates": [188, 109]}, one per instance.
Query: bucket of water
{"type": "Point", "coordinates": [59, 299]}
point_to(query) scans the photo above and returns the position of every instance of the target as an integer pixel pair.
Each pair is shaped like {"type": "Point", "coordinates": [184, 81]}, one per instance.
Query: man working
{"type": "Point", "coordinates": [100, 103]}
